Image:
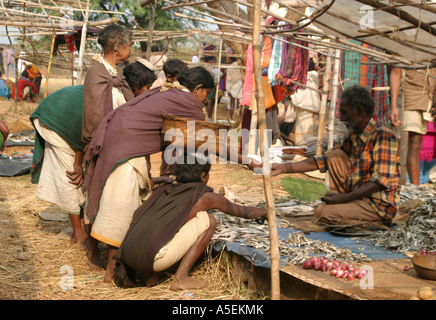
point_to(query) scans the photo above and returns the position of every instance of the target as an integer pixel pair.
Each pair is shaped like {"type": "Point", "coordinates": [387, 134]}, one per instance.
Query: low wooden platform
{"type": "Point", "coordinates": [390, 281]}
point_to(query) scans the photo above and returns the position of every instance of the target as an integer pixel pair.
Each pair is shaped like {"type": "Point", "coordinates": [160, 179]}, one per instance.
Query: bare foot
{"type": "Point", "coordinates": [109, 275]}
{"type": "Point", "coordinates": [95, 263]}
{"type": "Point", "coordinates": [84, 243]}
{"type": "Point", "coordinates": [187, 284]}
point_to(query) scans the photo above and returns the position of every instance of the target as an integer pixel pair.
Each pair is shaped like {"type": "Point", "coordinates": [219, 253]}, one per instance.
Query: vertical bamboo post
{"type": "Point", "coordinates": [215, 105]}
{"type": "Point", "coordinates": [260, 99]}
{"type": "Point", "coordinates": [72, 72]}
{"type": "Point", "coordinates": [16, 82]}
{"type": "Point", "coordinates": [335, 85]}
{"type": "Point", "coordinates": [49, 64]}
{"type": "Point", "coordinates": [15, 67]}
{"type": "Point", "coordinates": [150, 30]}
{"type": "Point", "coordinates": [253, 130]}
{"type": "Point", "coordinates": [404, 137]}
{"type": "Point", "coordinates": [200, 50]}
{"type": "Point", "coordinates": [82, 45]}
{"type": "Point", "coordinates": [325, 96]}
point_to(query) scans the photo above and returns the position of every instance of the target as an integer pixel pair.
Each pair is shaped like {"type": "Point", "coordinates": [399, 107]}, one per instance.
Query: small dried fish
{"type": "Point", "coordinates": [417, 233]}
{"type": "Point", "coordinates": [295, 249]}
{"type": "Point", "coordinates": [422, 192]}
{"type": "Point", "coordinates": [296, 210]}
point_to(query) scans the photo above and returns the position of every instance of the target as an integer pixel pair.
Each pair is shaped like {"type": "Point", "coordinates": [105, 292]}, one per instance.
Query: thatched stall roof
{"type": "Point", "coordinates": [403, 28]}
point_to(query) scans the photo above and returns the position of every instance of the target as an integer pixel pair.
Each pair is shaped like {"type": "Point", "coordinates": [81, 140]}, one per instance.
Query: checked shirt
{"type": "Point", "coordinates": [375, 156]}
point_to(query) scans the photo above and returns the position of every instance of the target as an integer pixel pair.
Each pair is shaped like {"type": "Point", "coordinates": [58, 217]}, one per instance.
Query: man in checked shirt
{"type": "Point", "coordinates": [364, 171]}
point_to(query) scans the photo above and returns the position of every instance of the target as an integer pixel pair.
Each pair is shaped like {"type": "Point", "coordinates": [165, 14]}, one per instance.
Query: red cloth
{"type": "Point", "coordinates": [69, 40]}
{"type": "Point", "coordinates": [22, 84]}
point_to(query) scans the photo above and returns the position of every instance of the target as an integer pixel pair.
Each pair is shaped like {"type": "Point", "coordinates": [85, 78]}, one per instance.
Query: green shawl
{"type": "Point", "coordinates": [61, 112]}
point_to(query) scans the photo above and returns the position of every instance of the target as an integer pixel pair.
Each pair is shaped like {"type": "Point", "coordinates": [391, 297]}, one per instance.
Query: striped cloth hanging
{"type": "Point", "coordinates": [295, 64]}
{"type": "Point", "coordinates": [358, 69]}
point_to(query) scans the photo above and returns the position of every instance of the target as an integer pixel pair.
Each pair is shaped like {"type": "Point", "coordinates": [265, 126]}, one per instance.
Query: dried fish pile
{"type": "Point", "coordinates": [295, 249]}
{"type": "Point", "coordinates": [296, 208]}
{"type": "Point", "coordinates": [304, 248]}
{"type": "Point", "coordinates": [411, 191]}
{"type": "Point", "coordinates": [418, 232]}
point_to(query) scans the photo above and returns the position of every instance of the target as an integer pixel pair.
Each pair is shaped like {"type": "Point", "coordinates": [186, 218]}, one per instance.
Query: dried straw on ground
{"type": "Point", "coordinates": [36, 259]}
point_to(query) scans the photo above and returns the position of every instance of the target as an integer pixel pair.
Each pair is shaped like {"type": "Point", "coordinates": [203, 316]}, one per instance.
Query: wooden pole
{"type": "Point", "coordinates": [150, 30]}
{"type": "Point", "coordinates": [82, 45]}
{"type": "Point", "coordinates": [15, 69]}
{"type": "Point", "coordinates": [253, 129]}
{"type": "Point", "coordinates": [17, 77]}
{"type": "Point", "coordinates": [215, 105]}
{"type": "Point", "coordinates": [269, 196]}
{"type": "Point", "coordinates": [404, 137]}
{"type": "Point", "coordinates": [325, 96]}
{"type": "Point", "coordinates": [49, 64]}
{"type": "Point", "coordinates": [335, 86]}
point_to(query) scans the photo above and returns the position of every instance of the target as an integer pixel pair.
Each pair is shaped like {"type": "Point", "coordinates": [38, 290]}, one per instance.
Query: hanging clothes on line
{"type": "Point", "coordinates": [359, 69]}
{"type": "Point", "coordinates": [276, 59]}
{"type": "Point", "coordinates": [294, 65]}
{"type": "Point", "coordinates": [247, 89]}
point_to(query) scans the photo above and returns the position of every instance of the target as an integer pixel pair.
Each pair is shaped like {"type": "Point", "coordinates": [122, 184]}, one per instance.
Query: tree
{"type": "Point", "coordinates": [137, 16]}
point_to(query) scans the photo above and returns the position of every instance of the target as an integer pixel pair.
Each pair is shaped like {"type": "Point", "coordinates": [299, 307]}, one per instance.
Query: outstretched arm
{"type": "Point", "coordinates": [294, 167]}
{"type": "Point", "coordinates": [212, 200]}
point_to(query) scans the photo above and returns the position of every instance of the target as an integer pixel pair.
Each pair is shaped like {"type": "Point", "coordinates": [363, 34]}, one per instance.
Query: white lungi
{"type": "Point", "coordinates": [54, 186]}
{"type": "Point", "coordinates": [125, 190]}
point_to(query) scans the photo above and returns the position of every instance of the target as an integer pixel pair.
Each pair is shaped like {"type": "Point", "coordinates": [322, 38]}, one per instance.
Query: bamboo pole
{"type": "Point", "coordinates": [75, 24]}
{"type": "Point", "coordinates": [253, 129]}
{"type": "Point", "coordinates": [215, 105]}
{"type": "Point", "coordinates": [325, 96]}
{"type": "Point", "coordinates": [335, 86]}
{"type": "Point", "coordinates": [15, 69]}
{"type": "Point", "coordinates": [150, 30]}
{"type": "Point", "coordinates": [83, 44]}
{"type": "Point", "coordinates": [16, 83]}
{"type": "Point", "coordinates": [269, 197]}
{"type": "Point", "coordinates": [60, 8]}
{"type": "Point", "coordinates": [49, 64]}
{"type": "Point", "coordinates": [404, 138]}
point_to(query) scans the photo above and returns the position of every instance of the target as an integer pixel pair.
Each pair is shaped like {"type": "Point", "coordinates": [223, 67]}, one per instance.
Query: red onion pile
{"type": "Point", "coordinates": [426, 252]}
{"type": "Point", "coordinates": [346, 271]}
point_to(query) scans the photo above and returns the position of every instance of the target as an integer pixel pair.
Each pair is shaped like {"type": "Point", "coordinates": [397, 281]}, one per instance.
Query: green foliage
{"type": "Point", "coordinates": [137, 17]}
{"type": "Point", "coordinates": [164, 19]}
{"type": "Point", "coordinates": [305, 190]}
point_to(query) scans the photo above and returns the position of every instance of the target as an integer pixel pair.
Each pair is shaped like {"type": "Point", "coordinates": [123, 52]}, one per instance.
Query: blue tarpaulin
{"type": "Point", "coordinates": [358, 246]}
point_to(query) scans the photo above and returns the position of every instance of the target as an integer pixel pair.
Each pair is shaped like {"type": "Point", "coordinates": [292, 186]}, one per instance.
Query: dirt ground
{"type": "Point", "coordinates": [37, 259]}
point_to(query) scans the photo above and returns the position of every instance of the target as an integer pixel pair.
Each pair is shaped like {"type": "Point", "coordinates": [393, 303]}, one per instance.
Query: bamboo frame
{"type": "Point", "coordinates": [215, 105]}
{"type": "Point", "coordinates": [82, 45]}
{"type": "Point", "coordinates": [49, 65]}
{"type": "Point", "coordinates": [35, 21]}
{"type": "Point", "coordinates": [335, 87]}
{"type": "Point", "coordinates": [269, 196]}
{"type": "Point", "coordinates": [50, 21]}
{"type": "Point", "coordinates": [322, 111]}
{"type": "Point", "coordinates": [39, 20]}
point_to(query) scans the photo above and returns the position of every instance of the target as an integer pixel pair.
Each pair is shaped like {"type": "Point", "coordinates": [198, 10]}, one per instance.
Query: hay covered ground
{"type": "Point", "coordinates": [38, 262]}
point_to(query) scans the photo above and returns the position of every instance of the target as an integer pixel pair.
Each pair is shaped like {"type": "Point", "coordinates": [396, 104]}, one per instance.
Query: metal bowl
{"type": "Point", "coordinates": [425, 266]}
